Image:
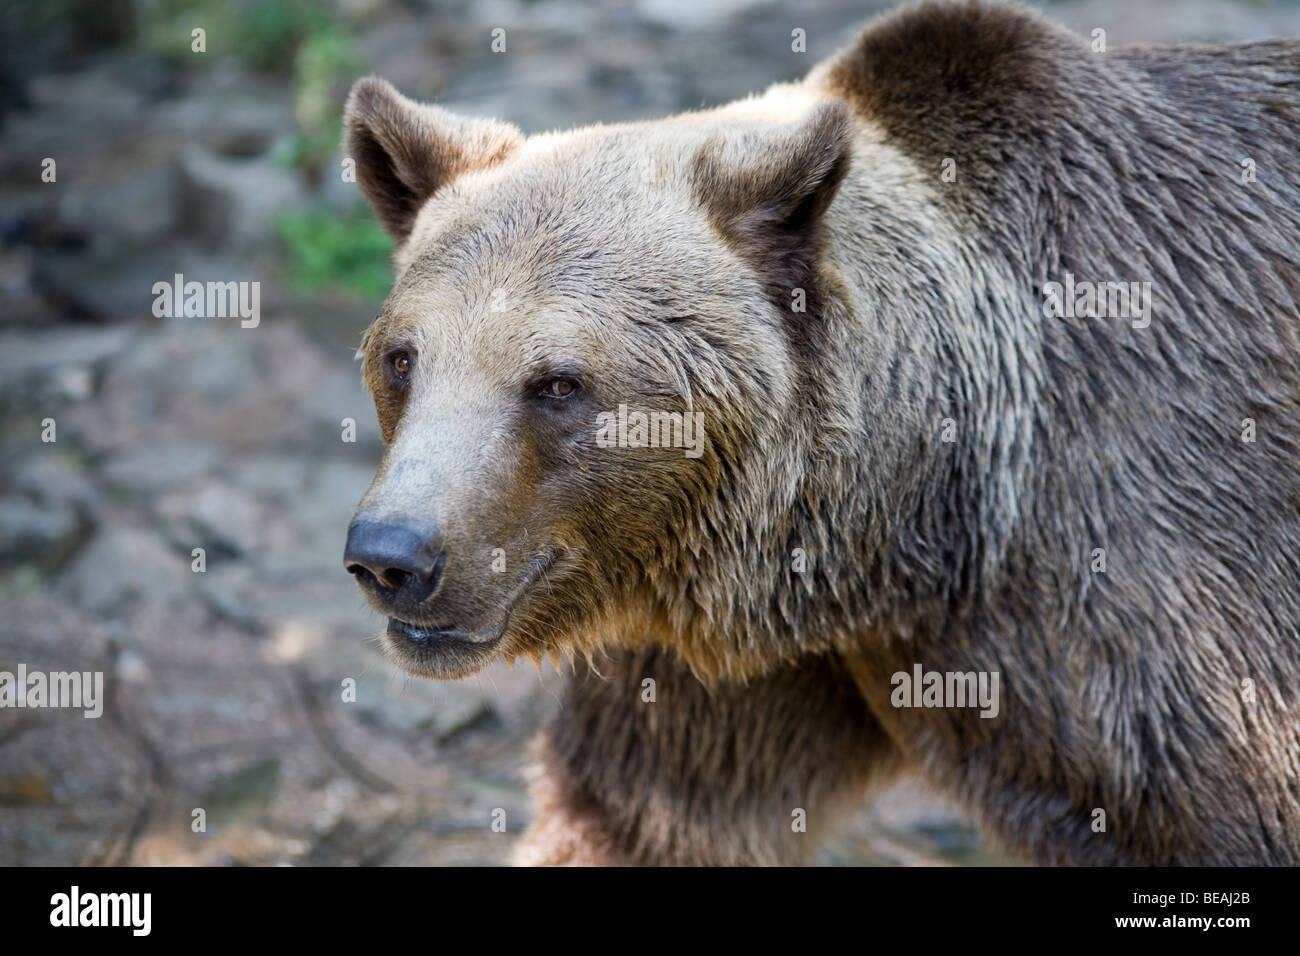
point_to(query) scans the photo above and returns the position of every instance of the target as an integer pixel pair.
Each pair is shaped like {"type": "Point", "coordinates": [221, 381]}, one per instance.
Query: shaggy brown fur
{"type": "Point", "coordinates": [727, 764]}
{"type": "Point", "coordinates": [655, 265]}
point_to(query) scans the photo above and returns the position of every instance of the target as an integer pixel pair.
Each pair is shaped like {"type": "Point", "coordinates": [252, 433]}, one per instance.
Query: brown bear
{"type": "Point", "coordinates": [939, 413]}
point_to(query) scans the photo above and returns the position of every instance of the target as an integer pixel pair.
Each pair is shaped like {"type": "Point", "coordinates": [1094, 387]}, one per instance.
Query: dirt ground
{"type": "Point", "coordinates": [228, 689]}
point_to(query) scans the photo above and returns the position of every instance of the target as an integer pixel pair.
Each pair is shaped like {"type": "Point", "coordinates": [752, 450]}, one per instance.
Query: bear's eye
{"type": "Point", "coordinates": [397, 367]}
{"type": "Point", "coordinates": [559, 388]}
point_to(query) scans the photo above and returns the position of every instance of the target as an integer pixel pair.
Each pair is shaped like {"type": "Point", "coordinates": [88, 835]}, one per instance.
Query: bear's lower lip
{"type": "Point", "coordinates": [428, 635]}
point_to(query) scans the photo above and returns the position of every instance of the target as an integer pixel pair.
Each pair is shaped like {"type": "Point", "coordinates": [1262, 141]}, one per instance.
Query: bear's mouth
{"type": "Point", "coordinates": [428, 635]}
{"type": "Point", "coordinates": [421, 635]}
{"type": "Point", "coordinates": [449, 652]}
{"type": "Point", "coordinates": [440, 653]}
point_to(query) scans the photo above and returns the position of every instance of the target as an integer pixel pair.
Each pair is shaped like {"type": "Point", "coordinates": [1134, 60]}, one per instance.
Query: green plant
{"type": "Point", "coordinates": [326, 62]}
{"type": "Point", "coordinates": [346, 252]}
{"type": "Point", "coordinates": [263, 34]}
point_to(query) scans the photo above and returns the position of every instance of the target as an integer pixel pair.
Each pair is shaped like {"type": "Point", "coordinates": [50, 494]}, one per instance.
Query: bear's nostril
{"type": "Point", "coordinates": [394, 578]}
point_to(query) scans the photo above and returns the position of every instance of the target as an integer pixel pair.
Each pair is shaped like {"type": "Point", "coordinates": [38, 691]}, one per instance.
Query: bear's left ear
{"type": "Point", "coordinates": [404, 150]}
{"type": "Point", "coordinates": [765, 191]}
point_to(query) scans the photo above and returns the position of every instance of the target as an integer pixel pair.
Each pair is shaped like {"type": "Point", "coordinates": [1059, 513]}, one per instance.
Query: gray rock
{"type": "Point", "coordinates": [139, 207]}
{"type": "Point", "coordinates": [336, 395]}
{"type": "Point", "coordinates": [323, 508]}
{"type": "Point", "coordinates": [414, 708]}
{"type": "Point", "coordinates": [31, 361]}
{"type": "Point", "coordinates": [20, 301]}
{"type": "Point", "coordinates": [30, 531]}
{"type": "Point", "coordinates": [279, 477]}
{"type": "Point", "coordinates": [101, 284]}
{"type": "Point", "coordinates": [235, 201]}
{"type": "Point", "coordinates": [222, 517]}
{"type": "Point", "coordinates": [228, 588]}
{"type": "Point", "coordinates": [230, 115]}
{"type": "Point", "coordinates": [148, 469]}
{"type": "Point", "coordinates": [56, 478]}
{"type": "Point", "coordinates": [123, 564]}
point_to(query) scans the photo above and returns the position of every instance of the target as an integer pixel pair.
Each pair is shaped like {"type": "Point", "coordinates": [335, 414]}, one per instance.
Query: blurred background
{"type": "Point", "coordinates": [225, 688]}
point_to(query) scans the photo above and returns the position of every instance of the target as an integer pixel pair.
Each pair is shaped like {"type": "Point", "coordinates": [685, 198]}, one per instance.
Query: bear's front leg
{"type": "Point", "coordinates": [646, 765]}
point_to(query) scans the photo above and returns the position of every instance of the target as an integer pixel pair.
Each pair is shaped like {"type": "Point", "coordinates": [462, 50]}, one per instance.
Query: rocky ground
{"type": "Point", "coordinates": [227, 688]}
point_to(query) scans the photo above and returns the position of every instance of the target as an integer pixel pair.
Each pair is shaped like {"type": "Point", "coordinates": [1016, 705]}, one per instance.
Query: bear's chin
{"type": "Point", "coordinates": [438, 654]}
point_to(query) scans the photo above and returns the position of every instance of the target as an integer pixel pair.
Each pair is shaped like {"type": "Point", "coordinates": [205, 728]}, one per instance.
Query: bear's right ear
{"type": "Point", "coordinates": [404, 150]}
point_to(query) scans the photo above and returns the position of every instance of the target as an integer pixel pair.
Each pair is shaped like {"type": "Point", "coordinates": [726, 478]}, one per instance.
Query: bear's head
{"type": "Point", "coordinates": [586, 352]}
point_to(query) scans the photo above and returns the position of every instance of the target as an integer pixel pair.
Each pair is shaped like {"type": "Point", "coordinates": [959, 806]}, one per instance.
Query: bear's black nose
{"type": "Point", "coordinates": [398, 559]}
